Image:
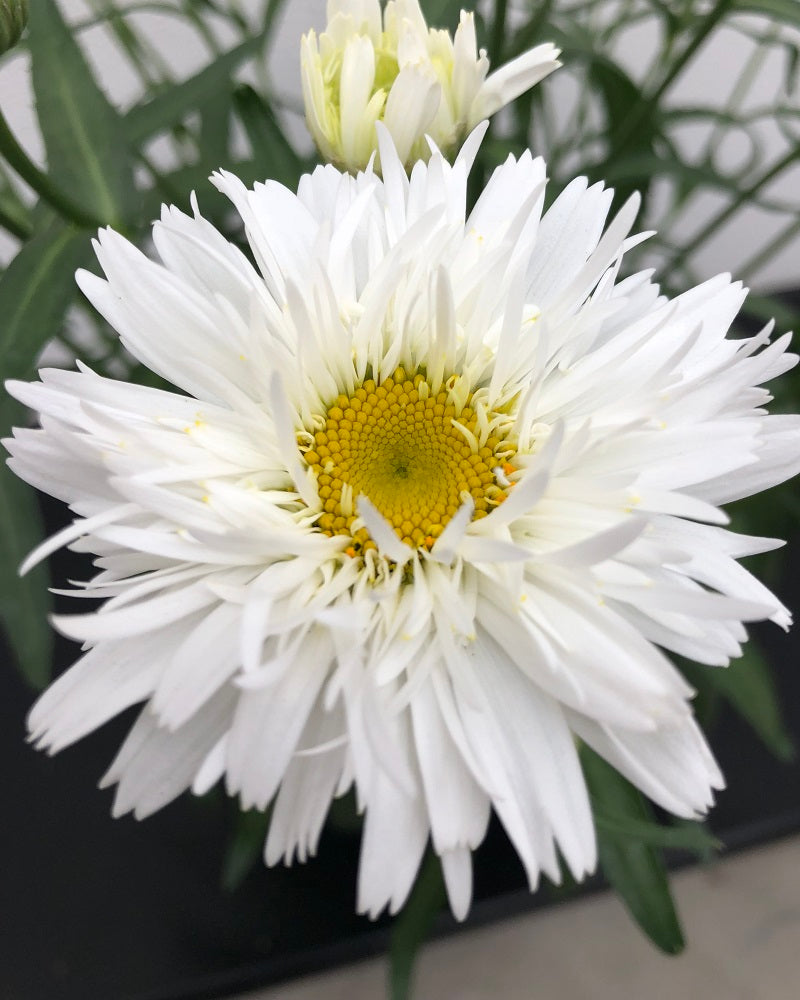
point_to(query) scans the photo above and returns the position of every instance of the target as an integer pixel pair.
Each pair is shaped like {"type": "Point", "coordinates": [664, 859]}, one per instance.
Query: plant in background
{"type": "Point", "coordinates": [444, 393]}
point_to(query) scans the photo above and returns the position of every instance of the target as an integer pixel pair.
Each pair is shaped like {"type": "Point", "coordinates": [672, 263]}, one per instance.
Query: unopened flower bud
{"type": "Point", "coordinates": [368, 67]}
{"type": "Point", "coordinates": [13, 18]}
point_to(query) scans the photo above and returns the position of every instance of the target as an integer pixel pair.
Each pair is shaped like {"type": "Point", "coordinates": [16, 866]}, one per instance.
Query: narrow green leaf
{"type": "Point", "coordinates": [442, 13]}
{"type": "Point", "coordinates": [621, 97]}
{"type": "Point", "coordinates": [215, 122]}
{"type": "Point", "coordinates": [749, 687]}
{"type": "Point", "coordinates": [763, 308]}
{"type": "Point", "coordinates": [244, 848]}
{"type": "Point", "coordinates": [82, 132]}
{"type": "Point", "coordinates": [631, 167]}
{"type": "Point", "coordinates": [14, 213]}
{"type": "Point", "coordinates": [634, 868]}
{"type": "Point", "coordinates": [271, 149]}
{"type": "Point", "coordinates": [35, 292]}
{"type": "Point", "coordinates": [687, 836]}
{"type": "Point", "coordinates": [25, 602]}
{"type": "Point", "coordinates": [413, 925]}
{"type": "Point", "coordinates": [779, 10]}
{"type": "Point", "coordinates": [170, 107]}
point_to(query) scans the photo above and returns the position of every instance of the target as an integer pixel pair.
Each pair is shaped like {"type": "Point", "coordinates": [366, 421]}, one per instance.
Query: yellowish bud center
{"type": "Point", "coordinates": [415, 453]}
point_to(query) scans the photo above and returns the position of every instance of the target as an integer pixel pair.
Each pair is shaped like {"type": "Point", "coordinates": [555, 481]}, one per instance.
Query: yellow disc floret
{"type": "Point", "coordinates": [418, 455]}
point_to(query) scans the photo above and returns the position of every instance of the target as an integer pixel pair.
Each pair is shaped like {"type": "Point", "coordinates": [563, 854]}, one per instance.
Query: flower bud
{"type": "Point", "coordinates": [13, 18]}
{"type": "Point", "coordinates": [368, 66]}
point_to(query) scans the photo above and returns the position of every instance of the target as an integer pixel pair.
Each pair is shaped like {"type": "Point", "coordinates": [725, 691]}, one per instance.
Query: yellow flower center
{"type": "Point", "coordinates": [415, 453]}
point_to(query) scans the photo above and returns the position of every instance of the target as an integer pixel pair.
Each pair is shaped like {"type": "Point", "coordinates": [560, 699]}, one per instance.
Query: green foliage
{"type": "Point", "coordinates": [24, 601]}
{"type": "Point", "coordinates": [273, 155]}
{"type": "Point", "coordinates": [782, 10]}
{"type": "Point", "coordinates": [83, 134]}
{"type": "Point", "coordinates": [244, 848]}
{"type": "Point", "coordinates": [748, 685]}
{"type": "Point", "coordinates": [171, 105]}
{"type": "Point", "coordinates": [413, 925]}
{"type": "Point", "coordinates": [632, 863]}
{"type": "Point", "coordinates": [35, 292]}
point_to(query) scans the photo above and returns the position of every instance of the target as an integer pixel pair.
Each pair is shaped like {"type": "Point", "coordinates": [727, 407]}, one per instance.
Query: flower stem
{"type": "Point", "coordinates": [15, 226]}
{"type": "Point", "coordinates": [40, 182]}
{"type": "Point", "coordinates": [742, 198]}
{"type": "Point", "coordinates": [645, 107]}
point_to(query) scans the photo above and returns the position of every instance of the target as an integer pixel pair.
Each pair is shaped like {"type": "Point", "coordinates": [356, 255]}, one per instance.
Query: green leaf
{"type": "Point", "coordinates": [25, 602]}
{"type": "Point", "coordinates": [82, 133]}
{"type": "Point", "coordinates": [170, 107]}
{"type": "Point", "coordinates": [244, 848]}
{"type": "Point", "coordinates": [779, 10]}
{"type": "Point", "coordinates": [442, 13]}
{"type": "Point", "coordinates": [14, 214]}
{"type": "Point", "coordinates": [763, 308]}
{"type": "Point", "coordinates": [621, 98]}
{"type": "Point", "coordinates": [271, 150]}
{"type": "Point", "coordinates": [35, 292]}
{"type": "Point", "coordinates": [215, 121]}
{"type": "Point", "coordinates": [413, 925]}
{"type": "Point", "coordinates": [634, 868]}
{"type": "Point", "coordinates": [748, 686]}
{"type": "Point", "coordinates": [684, 836]}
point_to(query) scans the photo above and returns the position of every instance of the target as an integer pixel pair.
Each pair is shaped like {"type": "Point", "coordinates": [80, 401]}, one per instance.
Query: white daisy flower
{"type": "Point", "coordinates": [438, 493]}
{"type": "Point", "coordinates": [417, 80]}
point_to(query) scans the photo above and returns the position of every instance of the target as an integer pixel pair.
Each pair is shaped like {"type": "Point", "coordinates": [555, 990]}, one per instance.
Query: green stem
{"type": "Point", "coordinates": [272, 11]}
{"type": "Point", "coordinates": [134, 48]}
{"type": "Point", "coordinates": [765, 255]}
{"type": "Point", "coordinates": [646, 106]}
{"type": "Point", "coordinates": [529, 32]}
{"type": "Point", "coordinates": [742, 198]}
{"type": "Point", "coordinates": [17, 158]}
{"type": "Point", "coordinates": [172, 192]}
{"type": "Point", "coordinates": [740, 91]}
{"type": "Point", "coordinates": [17, 227]}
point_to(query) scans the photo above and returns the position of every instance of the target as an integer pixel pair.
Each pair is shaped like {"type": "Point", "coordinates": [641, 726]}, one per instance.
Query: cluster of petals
{"type": "Point", "coordinates": [437, 684]}
{"type": "Point", "coordinates": [369, 67]}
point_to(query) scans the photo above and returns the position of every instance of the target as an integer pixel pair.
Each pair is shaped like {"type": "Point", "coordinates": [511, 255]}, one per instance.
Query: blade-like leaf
{"type": "Point", "coordinates": [688, 836]}
{"type": "Point", "coordinates": [244, 848]}
{"type": "Point", "coordinates": [35, 292]}
{"type": "Point", "coordinates": [442, 13]}
{"type": "Point", "coordinates": [413, 924]}
{"type": "Point", "coordinates": [215, 121]}
{"type": "Point", "coordinates": [621, 97]}
{"type": "Point", "coordinates": [82, 132]}
{"type": "Point", "coordinates": [25, 602]}
{"type": "Point", "coordinates": [749, 686]}
{"type": "Point", "coordinates": [634, 868]}
{"type": "Point", "coordinates": [779, 10]}
{"type": "Point", "coordinates": [171, 106]}
{"type": "Point", "coordinates": [271, 149]}
{"type": "Point", "coordinates": [14, 214]}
